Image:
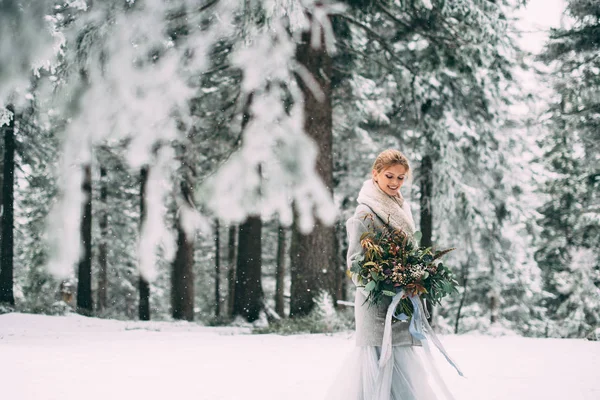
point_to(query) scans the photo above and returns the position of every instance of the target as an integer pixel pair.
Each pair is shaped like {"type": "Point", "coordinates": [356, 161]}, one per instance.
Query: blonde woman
{"type": "Point", "coordinates": [390, 368]}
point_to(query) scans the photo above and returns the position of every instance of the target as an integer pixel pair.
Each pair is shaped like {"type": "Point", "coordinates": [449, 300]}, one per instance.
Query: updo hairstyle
{"type": "Point", "coordinates": [390, 157]}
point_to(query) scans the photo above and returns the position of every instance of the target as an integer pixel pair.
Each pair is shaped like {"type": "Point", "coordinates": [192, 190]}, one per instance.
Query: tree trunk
{"type": "Point", "coordinates": [313, 265]}
{"type": "Point", "coordinates": [311, 262]}
{"type": "Point", "coordinates": [143, 285]}
{"type": "Point", "coordinates": [493, 294]}
{"type": "Point", "coordinates": [144, 305]}
{"type": "Point", "coordinates": [426, 211]}
{"type": "Point", "coordinates": [341, 260]}
{"type": "Point", "coordinates": [463, 298]}
{"type": "Point", "coordinates": [7, 249]}
{"type": "Point", "coordinates": [2, 199]}
{"type": "Point", "coordinates": [280, 272]}
{"type": "Point", "coordinates": [102, 248]}
{"type": "Point", "coordinates": [248, 286]}
{"type": "Point", "coordinates": [217, 269]}
{"type": "Point", "coordinates": [425, 202]}
{"type": "Point", "coordinates": [493, 308]}
{"type": "Point", "coordinates": [231, 260]}
{"type": "Point", "coordinates": [182, 278]}
{"type": "Point", "coordinates": [84, 275]}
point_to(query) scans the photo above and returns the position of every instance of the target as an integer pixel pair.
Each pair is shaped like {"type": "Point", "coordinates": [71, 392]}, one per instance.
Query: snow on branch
{"type": "Point", "coordinates": [128, 78]}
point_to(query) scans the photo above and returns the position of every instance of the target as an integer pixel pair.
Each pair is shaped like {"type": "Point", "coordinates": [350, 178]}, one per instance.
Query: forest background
{"type": "Point", "coordinates": [167, 159]}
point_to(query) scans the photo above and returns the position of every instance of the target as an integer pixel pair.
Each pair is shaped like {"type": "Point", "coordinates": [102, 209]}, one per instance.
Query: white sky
{"type": "Point", "coordinates": [537, 18]}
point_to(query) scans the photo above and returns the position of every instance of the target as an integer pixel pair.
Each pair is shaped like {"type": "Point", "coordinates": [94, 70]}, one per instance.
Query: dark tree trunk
{"type": "Point", "coordinates": [2, 194]}
{"type": "Point", "coordinates": [84, 275]}
{"type": "Point", "coordinates": [144, 305]}
{"type": "Point", "coordinates": [341, 251]}
{"type": "Point", "coordinates": [493, 293]}
{"type": "Point", "coordinates": [280, 272]}
{"type": "Point", "coordinates": [248, 295]}
{"type": "Point", "coordinates": [493, 308]}
{"type": "Point", "coordinates": [143, 285]}
{"type": "Point", "coordinates": [231, 260]}
{"type": "Point", "coordinates": [102, 248]}
{"type": "Point", "coordinates": [311, 262]}
{"type": "Point", "coordinates": [182, 279]}
{"type": "Point", "coordinates": [217, 269]}
{"type": "Point", "coordinates": [463, 298]}
{"type": "Point", "coordinates": [313, 265]}
{"type": "Point", "coordinates": [426, 210]}
{"type": "Point", "coordinates": [7, 251]}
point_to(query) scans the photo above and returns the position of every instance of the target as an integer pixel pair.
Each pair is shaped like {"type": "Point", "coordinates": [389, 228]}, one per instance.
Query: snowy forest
{"type": "Point", "coordinates": [197, 159]}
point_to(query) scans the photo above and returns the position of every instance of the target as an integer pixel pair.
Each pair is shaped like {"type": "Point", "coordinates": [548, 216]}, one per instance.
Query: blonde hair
{"type": "Point", "coordinates": [390, 157]}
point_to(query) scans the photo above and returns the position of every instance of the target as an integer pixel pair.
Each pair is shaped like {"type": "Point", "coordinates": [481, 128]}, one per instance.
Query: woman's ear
{"type": "Point", "coordinates": [374, 175]}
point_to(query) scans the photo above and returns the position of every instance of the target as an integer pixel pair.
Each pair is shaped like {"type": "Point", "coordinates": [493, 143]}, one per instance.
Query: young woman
{"type": "Point", "coordinates": [400, 373]}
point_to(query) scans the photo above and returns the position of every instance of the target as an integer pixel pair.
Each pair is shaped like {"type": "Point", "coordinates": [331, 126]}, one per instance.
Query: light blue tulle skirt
{"type": "Point", "coordinates": [410, 375]}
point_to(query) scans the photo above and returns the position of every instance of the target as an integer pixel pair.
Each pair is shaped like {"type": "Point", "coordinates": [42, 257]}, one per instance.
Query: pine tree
{"type": "Point", "coordinates": [35, 191]}
{"type": "Point", "coordinates": [20, 37]}
{"type": "Point", "coordinates": [434, 80]}
{"type": "Point", "coordinates": [124, 214]}
{"type": "Point", "coordinates": [569, 245]}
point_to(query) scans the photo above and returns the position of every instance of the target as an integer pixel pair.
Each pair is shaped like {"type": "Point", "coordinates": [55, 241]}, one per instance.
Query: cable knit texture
{"type": "Point", "coordinates": [386, 210]}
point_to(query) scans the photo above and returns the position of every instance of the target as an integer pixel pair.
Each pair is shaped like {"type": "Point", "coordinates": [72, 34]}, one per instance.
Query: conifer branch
{"type": "Point", "coordinates": [382, 42]}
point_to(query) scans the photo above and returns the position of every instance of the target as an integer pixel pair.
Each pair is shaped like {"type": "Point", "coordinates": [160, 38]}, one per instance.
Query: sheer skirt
{"type": "Point", "coordinates": [410, 375]}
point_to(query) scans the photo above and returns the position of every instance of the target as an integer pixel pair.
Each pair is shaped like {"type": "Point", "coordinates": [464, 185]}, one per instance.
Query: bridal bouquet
{"type": "Point", "coordinates": [392, 262]}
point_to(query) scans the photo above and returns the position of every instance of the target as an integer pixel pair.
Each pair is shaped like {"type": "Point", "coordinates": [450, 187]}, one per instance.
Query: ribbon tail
{"type": "Point", "coordinates": [432, 368]}
{"type": "Point", "coordinates": [422, 324]}
{"type": "Point", "coordinates": [416, 322]}
{"type": "Point", "coordinates": [427, 316]}
{"type": "Point", "coordinates": [386, 345]}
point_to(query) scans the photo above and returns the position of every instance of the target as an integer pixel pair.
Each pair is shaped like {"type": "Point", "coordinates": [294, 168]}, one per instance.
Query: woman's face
{"type": "Point", "coordinates": [390, 179]}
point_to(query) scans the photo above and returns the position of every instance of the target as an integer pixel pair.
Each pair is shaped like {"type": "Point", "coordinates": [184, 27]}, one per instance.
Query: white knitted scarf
{"type": "Point", "coordinates": [391, 210]}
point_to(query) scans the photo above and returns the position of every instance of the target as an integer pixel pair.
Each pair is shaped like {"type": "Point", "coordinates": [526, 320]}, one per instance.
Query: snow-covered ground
{"type": "Point", "coordinates": [73, 357]}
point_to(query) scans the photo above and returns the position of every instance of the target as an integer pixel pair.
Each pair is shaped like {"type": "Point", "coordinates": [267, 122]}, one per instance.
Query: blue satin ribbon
{"type": "Point", "coordinates": [419, 328]}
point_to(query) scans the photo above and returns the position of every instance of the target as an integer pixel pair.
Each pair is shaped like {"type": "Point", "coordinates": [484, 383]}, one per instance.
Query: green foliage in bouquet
{"type": "Point", "coordinates": [393, 262]}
